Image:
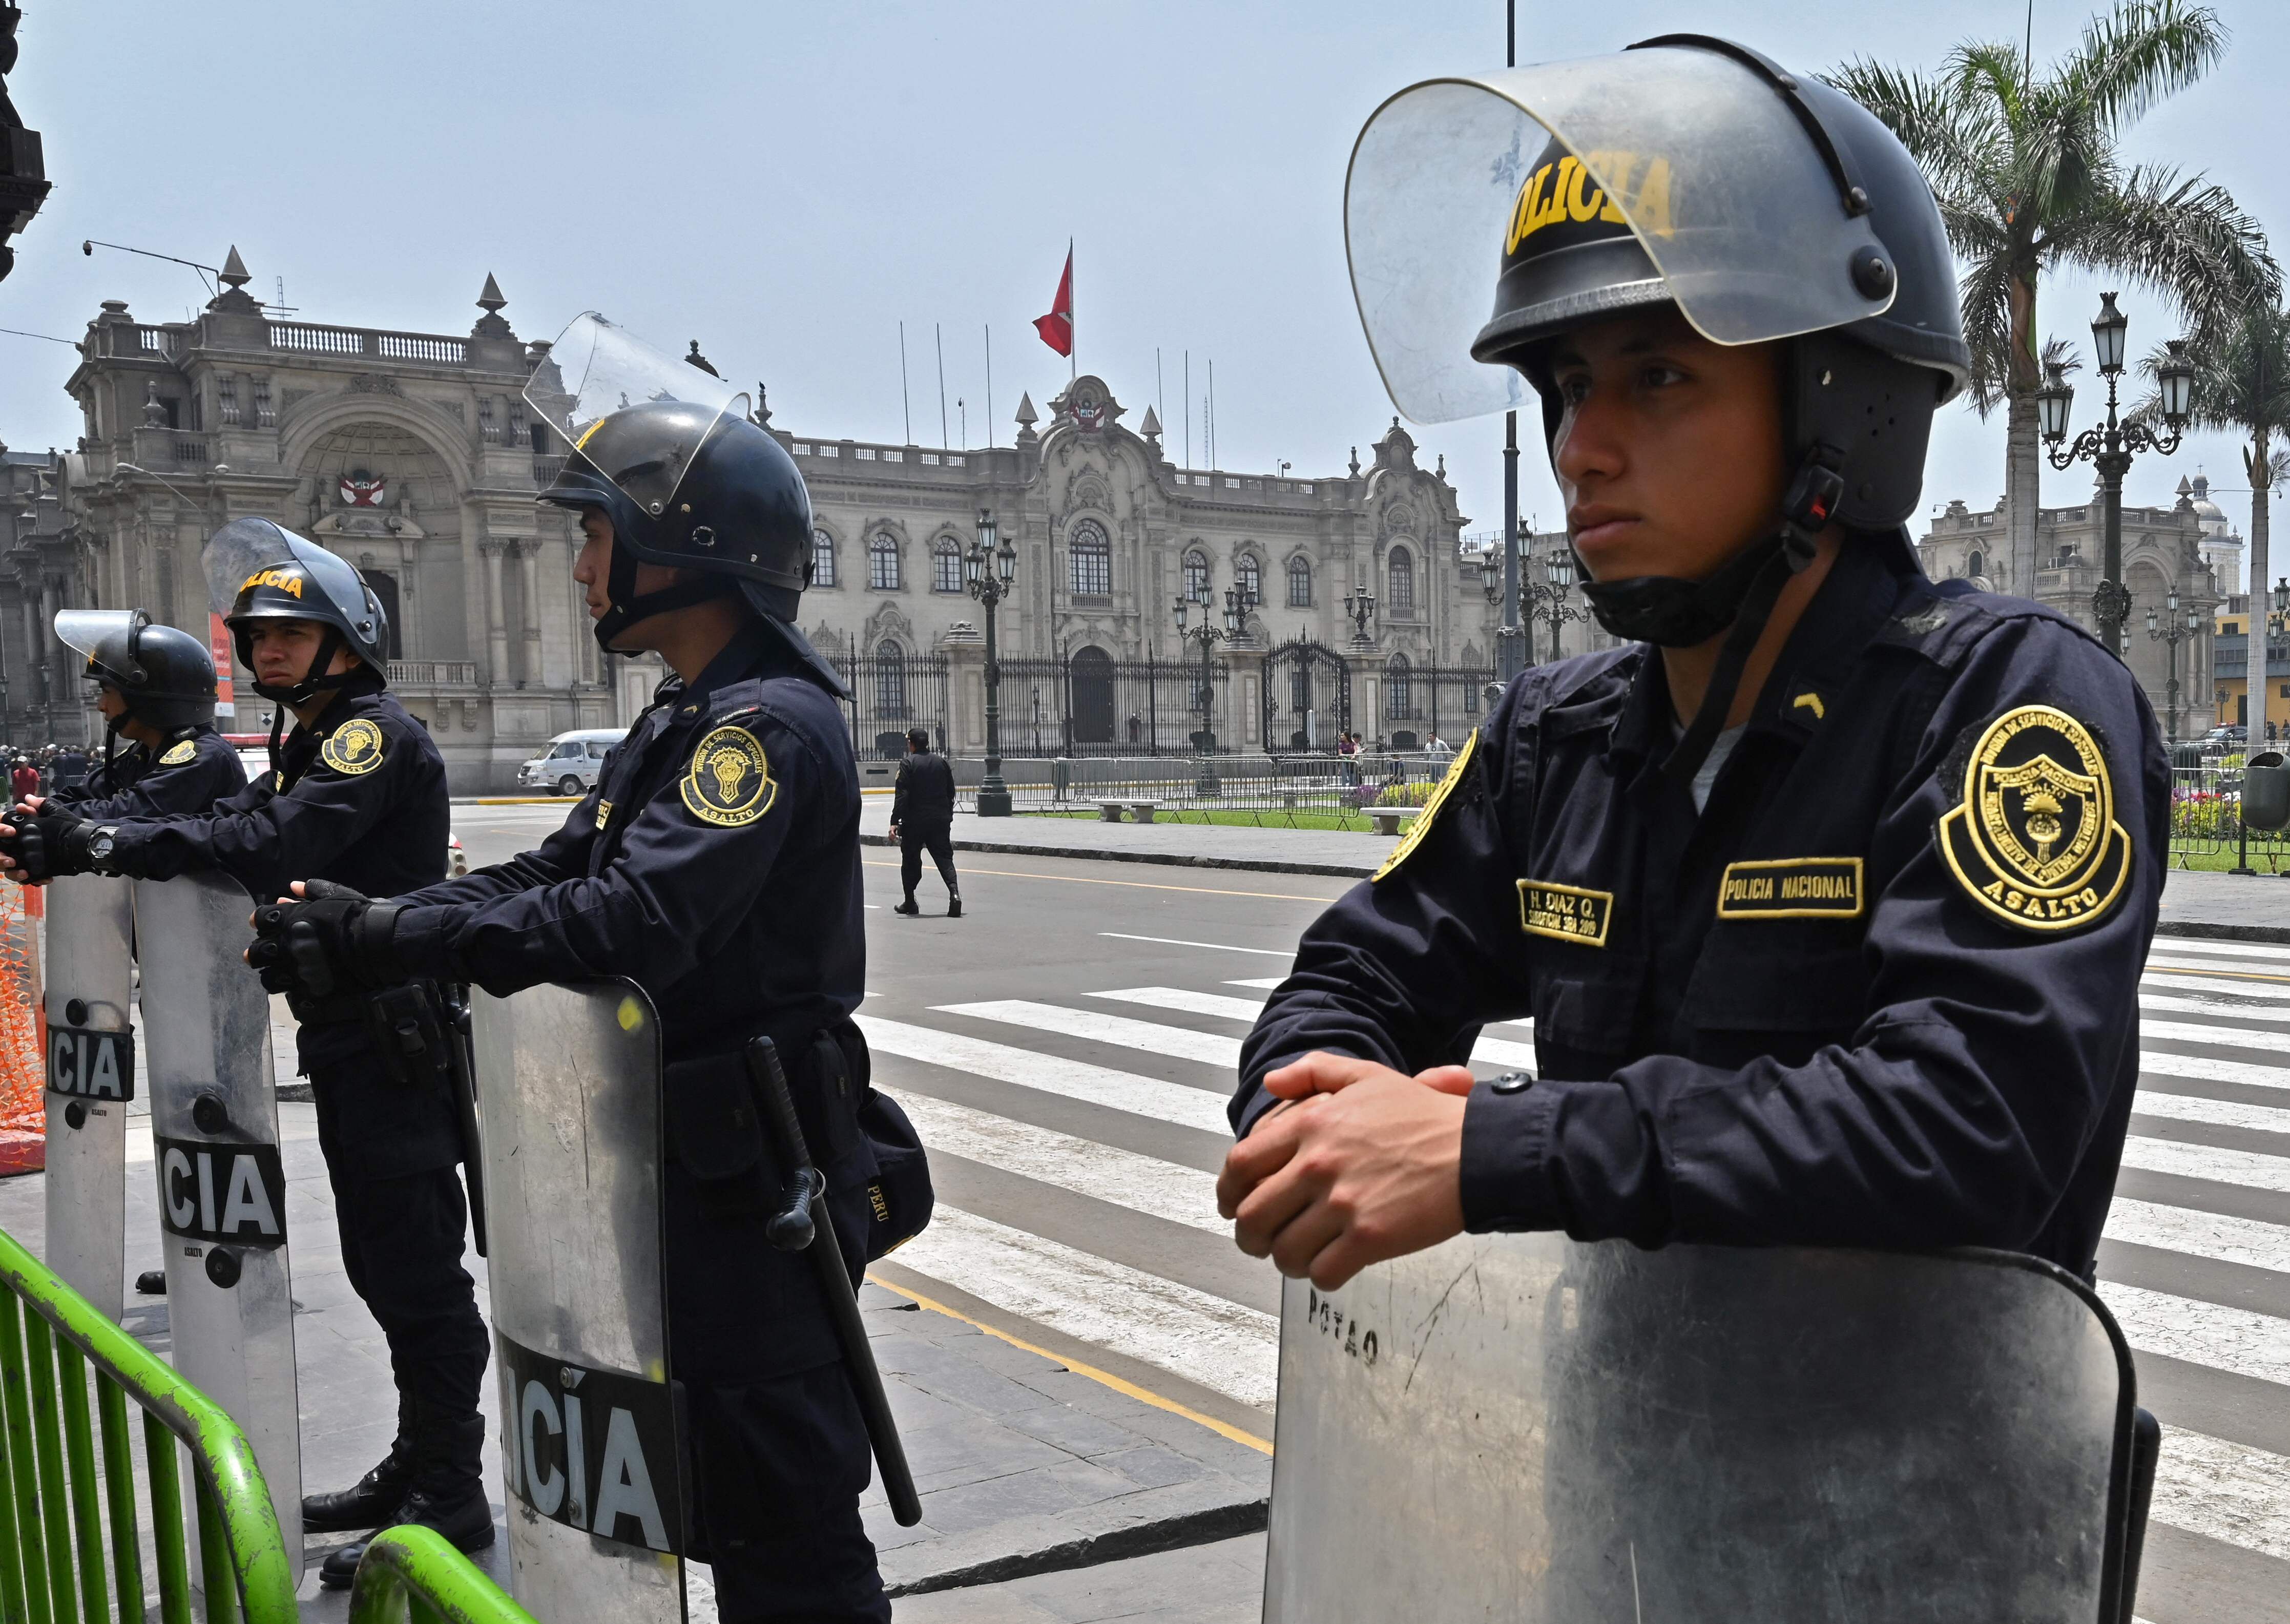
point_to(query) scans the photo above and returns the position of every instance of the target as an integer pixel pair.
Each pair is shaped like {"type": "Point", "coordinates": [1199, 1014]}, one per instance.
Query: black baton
{"type": "Point", "coordinates": [802, 1224]}
{"type": "Point", "coordinates": [465, 1105]}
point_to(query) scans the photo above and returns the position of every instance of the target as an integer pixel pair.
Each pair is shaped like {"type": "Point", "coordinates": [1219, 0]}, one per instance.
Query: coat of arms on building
{"type": "Point", "coordinates": [361, 489]}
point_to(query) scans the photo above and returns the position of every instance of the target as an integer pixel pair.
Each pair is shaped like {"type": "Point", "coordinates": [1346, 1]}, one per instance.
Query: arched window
{"type": "Point", "coordinates": [946, 565]}
{"type": "Point", "coordinates": [1090, 674]}
{"type": "Point", "coordinates": [385, 592]}
{"type": "Point", "coordinates": [822, 559]}
{"type": "Point", "coordinates": [1400, 598]}
{"type": "Point", "coordinates": [1197, 576]}
{"type": "Point", "coordinates": [882, 562]}
{"type": "Point", "coordinates": [1093, 560]}
{"type": "Point", "coordinates": [1248, 578]}
{"type": "Point", "coordinates": [1972, 563]}
{"type": "Point", "coordinates": [890, 679]}
{"type": "Point", "coordinates": [1398, 688]}
{"type": "Point", "coordinates": [1300, 583]}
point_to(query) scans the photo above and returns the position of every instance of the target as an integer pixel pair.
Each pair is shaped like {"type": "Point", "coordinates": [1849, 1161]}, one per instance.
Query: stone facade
{"type": "Point", "coordinates": [413, 457]}
{"type": "Point", "coordinates": [40, 693]}
{"type": "Point", "coordinates": [2163, 548]}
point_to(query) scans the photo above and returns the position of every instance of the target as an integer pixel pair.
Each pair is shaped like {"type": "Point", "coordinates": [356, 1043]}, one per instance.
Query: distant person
{"type": "Point", "coordinates": [24, 780]}
{"type": "Point", "coordinates": [922, 818]}
{"type": "Point", "coordinates": [1439, 748]}
{"type": "Point", "coordinates": [71, 768]}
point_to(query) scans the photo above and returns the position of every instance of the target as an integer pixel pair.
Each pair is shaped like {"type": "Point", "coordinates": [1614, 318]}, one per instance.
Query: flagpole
{"type": "Point", "coordinates": [1073, 320]}
{"type": "Point", "coordinates": [939, 343]}
{"type": "Point", "coordinates": [990, 385]}
{"type": "Point", "coordinates": [905, 409]}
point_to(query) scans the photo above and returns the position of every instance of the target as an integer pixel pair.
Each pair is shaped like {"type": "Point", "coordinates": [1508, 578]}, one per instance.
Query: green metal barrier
{"type": "Point", "coordinates": [412, 1574]}
{"type": "Point", "coordinates": [66, 1516]}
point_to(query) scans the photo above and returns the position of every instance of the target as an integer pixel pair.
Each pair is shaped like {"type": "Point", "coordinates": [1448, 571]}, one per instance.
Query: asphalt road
{"type": "Point", "coordinates": [1066, 1050]}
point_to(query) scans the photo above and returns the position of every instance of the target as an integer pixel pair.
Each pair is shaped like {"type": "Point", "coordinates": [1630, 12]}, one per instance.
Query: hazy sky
{"type": "Point", "coordinates": [786, 183]}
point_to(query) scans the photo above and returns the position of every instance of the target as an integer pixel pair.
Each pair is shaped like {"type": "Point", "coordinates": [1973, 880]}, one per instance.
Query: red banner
{"type": "Point", "coordinates": [1056, 328]}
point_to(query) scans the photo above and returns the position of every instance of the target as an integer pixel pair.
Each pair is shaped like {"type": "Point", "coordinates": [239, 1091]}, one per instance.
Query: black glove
{"type": "Point", "coordinates": [50, 844]}
{"type": "Point", "coordinates": [335, 940]}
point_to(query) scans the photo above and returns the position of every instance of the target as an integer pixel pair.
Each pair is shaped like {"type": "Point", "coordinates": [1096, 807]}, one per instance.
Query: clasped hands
{"type": "Point", "coordinates": [1359, 1164]}
{"type": "Point", "coordinates": [326, 939]}
{"type": "Point", "coordinates": [46, 842]}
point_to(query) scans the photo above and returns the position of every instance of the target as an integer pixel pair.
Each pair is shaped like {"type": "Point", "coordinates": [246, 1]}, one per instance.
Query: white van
{"type": "Point", "coordinates": [570, 765]}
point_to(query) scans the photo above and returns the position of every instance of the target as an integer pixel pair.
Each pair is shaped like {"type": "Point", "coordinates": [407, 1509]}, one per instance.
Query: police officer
{"type": "Point", "coordinates": [155, 687]}
{"type": "Point", "coordinates": [358, 796]}
{"type": "Point", "coordinates": [1828, 890]}
{"type": "Point", "coordinates": [922, 819]}
{"type": "Point", "coordinates": [717, 865]}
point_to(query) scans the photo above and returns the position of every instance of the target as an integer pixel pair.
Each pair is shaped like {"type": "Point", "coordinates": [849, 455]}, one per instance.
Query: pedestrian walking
{"type": "Point", "coordinates": [922, 819]}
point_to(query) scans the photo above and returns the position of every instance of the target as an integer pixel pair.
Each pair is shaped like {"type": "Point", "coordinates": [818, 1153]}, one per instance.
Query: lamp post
{"type": "Point", "coordinates": [1359, 608]}
{"type": "Point", "coordinates": [1551, 603]}
{"type": "Point", "coordinates": [2171, 630]}
{"type": "Point", "coordinates": [1499, 578]}
{"type": "Point", "coordinates": [2254, 670]}
{"type": "Point", "coordinates": [2110, 448]}
{"type": "Point", "coordinates": [987, 570]}
{"type": "Point", "coordinates": [1237, 605]}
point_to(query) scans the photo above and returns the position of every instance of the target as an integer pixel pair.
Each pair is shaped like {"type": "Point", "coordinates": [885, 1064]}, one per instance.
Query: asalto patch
{"type": "Point", "coordinates": [1422, 824]}
{"type": "Point", "coordinates": [2034, 840]}
{"type": "Point", "coordinates": [354, 748]}
{"type": "Point", "coordinates": [1564, 913]}
{"type": "Point", "coordinates": [1793, 888]}
{"type": "Point", "coordinates": [729, 782]}
{"type": "Point", "coordinates": [179, 754]}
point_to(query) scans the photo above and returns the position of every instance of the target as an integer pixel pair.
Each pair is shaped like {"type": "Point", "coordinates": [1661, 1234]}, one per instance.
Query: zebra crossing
{"type": "Point", "coordinates": [1081, 1133]}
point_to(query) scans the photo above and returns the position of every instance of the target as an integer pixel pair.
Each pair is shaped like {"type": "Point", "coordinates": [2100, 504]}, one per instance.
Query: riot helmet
{"type": "Point", "coordinates": [165, 678]}
{"type": "Point", "coordinates": [256, 571]}
{"type": "Point", "coordinates": [1687, 172]}
{"type": "Point", "coordinates": [663, 447]}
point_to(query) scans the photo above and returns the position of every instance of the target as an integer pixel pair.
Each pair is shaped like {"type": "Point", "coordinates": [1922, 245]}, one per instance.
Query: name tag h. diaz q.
{"type": "Point", "coordinates": [1564, 913]}
{"type": "Point", "coordinates": [1793, 888]}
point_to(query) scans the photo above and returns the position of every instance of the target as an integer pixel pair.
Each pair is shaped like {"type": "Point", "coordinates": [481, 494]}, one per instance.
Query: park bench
{"type": "Point", "coordinates": [1393, 819]}
{"type": "Point", "coordinates": [1142, 811]}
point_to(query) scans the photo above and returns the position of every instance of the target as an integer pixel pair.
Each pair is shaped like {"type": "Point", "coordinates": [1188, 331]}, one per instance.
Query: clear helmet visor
{"type": "Point", "coordinates": [1705, 161]}
{"type": "Point", "coordinates": [243, 550]}
{"type": "Point", "coordinates": [84, 631]}
{"type": "Point", "coordinates": [595, 369]}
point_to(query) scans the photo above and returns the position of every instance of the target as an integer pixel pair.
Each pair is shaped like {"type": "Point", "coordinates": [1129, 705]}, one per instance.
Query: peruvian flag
{"type": "Point", "coordinates": [1056, 328]}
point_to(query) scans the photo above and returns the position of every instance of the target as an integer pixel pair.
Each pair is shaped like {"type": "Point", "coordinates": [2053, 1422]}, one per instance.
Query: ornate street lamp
{"type": "Point", "coordinates": [2109, 448]}
{"type": "Point", "coordinates": [2171, 630]}
{"type": "Point", "coordinates": [1238, 603]}
{"type": "Point", "coordinates": [1359, 608]}
{"type": "Point", "coordinates": [1550, 602]}
{"type": "Point", "coordinates": [987, 570]}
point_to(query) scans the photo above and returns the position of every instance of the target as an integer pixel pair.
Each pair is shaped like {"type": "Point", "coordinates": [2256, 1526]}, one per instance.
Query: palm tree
{"type": "Point", "coordinates": [2242, 386]}
{"type": "Point", "coordinates": [2027, 178]}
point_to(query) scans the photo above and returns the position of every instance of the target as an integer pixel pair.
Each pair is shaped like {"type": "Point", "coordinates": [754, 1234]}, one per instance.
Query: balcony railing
{"type": "Point", "coordinates": [311, 339]}
{"type": "Point", "coordinates": [433, 673]}
{"type": "Point", "coordinates": [545, 469]}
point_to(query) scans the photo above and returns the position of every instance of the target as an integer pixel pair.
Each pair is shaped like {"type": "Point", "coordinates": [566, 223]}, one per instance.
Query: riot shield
{"type": "Point", "coordinates": [222, 1187]}
{"type": "Point", "coordinates": [1520, 1427]}
{"type": "Point", "coordinates": [91, 1078]}
{"type": "Point", "coordinates": [569, 1090]}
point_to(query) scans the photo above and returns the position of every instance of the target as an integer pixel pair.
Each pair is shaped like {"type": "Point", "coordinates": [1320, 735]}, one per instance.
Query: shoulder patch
{"type": "Point", "coordinates": [2034, 839]}
{"type": "Point", "coordinates": [354, 748]}
{"type": "Point", "coordinates": [179, 754]}
{"type": "Point", "coordinates": [728, 783]}
{"type": "Point", "coordinates": [1422, 824]}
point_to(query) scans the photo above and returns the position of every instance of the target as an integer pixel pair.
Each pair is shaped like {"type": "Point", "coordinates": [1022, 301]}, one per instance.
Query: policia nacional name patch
{"type": "Point", "coordinates": [1422, 824]}
{"type": "Point", "coordinates": [1792, 888]}
{"type": "Point", "coordinates": [354, 748]}
{"type": "Point", "coordinates": [179, 754]}
{"type": "Point", "coordinates": [2035, 840]}
{"type": "Point", "coordinates": [730, 781]}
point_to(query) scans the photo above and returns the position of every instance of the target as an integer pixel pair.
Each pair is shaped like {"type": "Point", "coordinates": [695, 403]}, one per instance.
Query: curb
{"type": "Point", "coordinates": [2206, 930]}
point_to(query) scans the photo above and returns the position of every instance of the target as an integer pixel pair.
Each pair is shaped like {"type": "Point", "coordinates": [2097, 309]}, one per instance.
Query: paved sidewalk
{"type": "Point", "coordinates": [2195, 903]}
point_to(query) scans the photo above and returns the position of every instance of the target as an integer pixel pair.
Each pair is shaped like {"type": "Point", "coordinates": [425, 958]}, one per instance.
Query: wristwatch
{"type": "Point", "coordinates": [100, 844]}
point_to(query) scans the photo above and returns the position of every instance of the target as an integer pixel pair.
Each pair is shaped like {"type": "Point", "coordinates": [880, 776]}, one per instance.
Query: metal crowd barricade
{"type": "Point", "coordinates": [2207, 826]}
{"type": "Point", "coordinates": [71, 1531]}
{"type": "Point", "coordinates": [1276, 788]}
{"type": "Point", "coordinates": [411, 1575]}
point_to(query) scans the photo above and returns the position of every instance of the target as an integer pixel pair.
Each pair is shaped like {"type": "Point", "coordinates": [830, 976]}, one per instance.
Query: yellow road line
{"type": "Point", "coordinates": [1076, 879]}
{"type": "Point", "coordinates": [1104, 1378]}
{"type": "Point", "coordinates": [2237, 975]}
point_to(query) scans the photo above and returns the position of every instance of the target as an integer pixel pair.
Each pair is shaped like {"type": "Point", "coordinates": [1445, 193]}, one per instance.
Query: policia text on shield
{"type": "Point", "coordinates": [715, 871]}
{"type": "Point", "coordinates": [356, 795]}
{"type": "Point", "coordinates": [1828, 892]}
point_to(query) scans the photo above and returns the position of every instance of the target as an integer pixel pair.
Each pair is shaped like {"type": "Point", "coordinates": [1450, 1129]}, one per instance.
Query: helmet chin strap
{"type": "Point", "coordinates": [315, 681]}
{"type": "Point", "coordinates": [1671, 612]}
{"type": "Point", "coordinates": [628, 606]}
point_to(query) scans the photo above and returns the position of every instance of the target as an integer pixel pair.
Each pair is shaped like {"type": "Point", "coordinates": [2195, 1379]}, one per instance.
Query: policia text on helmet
{"type": "Point", "coordinates": [1732, 291]}
{"type": "Point", "coordinates": [303, 621]}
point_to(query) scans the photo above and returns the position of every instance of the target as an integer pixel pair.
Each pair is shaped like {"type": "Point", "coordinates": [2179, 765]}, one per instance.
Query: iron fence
{"type": "Point", "coordinates": [2206, 829]}
{"type": "Point", "coordinates": [1312, 789]}
{"type": "Point", "coordinates": [1088, 704]}
{"type": "Point", "coordinates": [889, 694]}
{"type": "Point", "coordinates": [1421, 702]}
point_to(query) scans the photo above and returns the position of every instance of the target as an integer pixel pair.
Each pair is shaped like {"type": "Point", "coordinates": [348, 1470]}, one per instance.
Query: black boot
{"type": "Point", "coordinates": [447, 1492]}
{"type": "Point", "coordinates": [907, 908]}
{"type": "Point", "coordinates": [369, 1502]}
{"type": "Point", "coordinates": [954, 906]}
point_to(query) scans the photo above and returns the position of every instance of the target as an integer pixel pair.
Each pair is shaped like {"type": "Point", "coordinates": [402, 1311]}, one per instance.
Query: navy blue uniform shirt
{"type": "Point", "coordinates": [1882, 992]}
{"type": "Point", "coordinates": [189, 771]}
{"type": "Point", "coordinates": [715, 864]}
{"type": "Point", "coordinates": [922, 795]}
